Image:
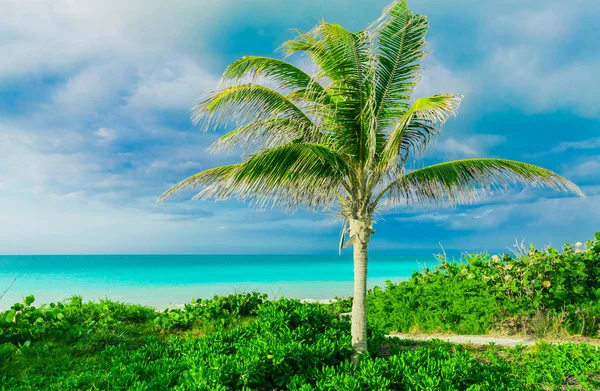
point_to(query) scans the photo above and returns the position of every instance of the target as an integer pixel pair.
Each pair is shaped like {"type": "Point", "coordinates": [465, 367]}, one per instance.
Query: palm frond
{"type": "Point", "coordinates": [345, 58]}
{"type": "Point", "coordinates": [458, 182]}
{"type": "Point", "coordinates": [421, 123]}
{"type": "Point", "coordinates": [201, 179]}
{"type": "Point", "coordinates": [267, 133]}
{"type": "Point", "coordinates": [291, 175]}
{"type": "Point", "coordinates": [336, 52]}
{"type": "Point", "coordinates": [286, 75]}
{"type": "Point", "coordinates": [400, 39]}
{"type": "Point", "coordinates": [243, 104]}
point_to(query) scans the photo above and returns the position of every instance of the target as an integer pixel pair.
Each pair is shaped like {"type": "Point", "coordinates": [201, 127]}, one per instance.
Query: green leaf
{"type": "Point", "coordinates": [6, 349]}
{"type": "Point", "coordinates": [245, 104]}
{"type": "Point", "coordinates": [400, 37]}
{"type": "Point", "coordinates": [417, 126]}
{"type": "Point", "coordinates": [263, 134]}
{"type": "Point", "coordinates": [10, 316]}
{"type": "Point", "coordinates": [456, 182]}
{"type": "Point", "coordinates": [29, 300]}
{"type": "Point", "coordinates": [291, 175]}
{"type": "Point", "coordinates": [279, 381]}
{"type": "Point", "coordinates": [287, 76]}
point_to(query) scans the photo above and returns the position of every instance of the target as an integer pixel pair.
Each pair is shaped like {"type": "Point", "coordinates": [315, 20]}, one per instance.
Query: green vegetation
{"type": "Point", "coordinates": [245, 341]}
{"type": "Point", "coordinates": [544, 293]}
{"type": "Point", "coordinates": [280, 345]}
{"type": "Point", "coordinates": [340, 138]}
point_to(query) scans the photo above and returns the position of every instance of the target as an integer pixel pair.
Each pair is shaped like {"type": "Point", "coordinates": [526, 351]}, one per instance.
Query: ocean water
{"type": "Point", "coordinates": [168, 280]}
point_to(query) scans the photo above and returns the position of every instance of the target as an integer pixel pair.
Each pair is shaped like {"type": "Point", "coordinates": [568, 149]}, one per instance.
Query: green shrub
{"type": "Point", "coordinates": [220, 310]}
{"type": "Point", "coordinates": [536, 292]}
{"type": "Point", "coordinates": [442, 300]}
{"type": "Point", "coordinates": [282, 345]}
{"type": "Point", "coordinates": [72, 319]}
{"type": "Point", "coordinates": [341, 305]}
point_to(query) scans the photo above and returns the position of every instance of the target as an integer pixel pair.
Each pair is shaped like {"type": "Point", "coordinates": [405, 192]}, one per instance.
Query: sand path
{"type": "Point", "coordinates": [482, 340]}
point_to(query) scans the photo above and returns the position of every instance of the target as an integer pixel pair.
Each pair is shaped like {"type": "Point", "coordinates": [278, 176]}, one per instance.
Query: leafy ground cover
{"type": "Point", "coordinates": [246, 342]}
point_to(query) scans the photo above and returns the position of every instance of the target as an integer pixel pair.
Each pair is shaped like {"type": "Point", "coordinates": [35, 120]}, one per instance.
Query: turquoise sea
{"type": "Point", "coordinates": [168, 280]}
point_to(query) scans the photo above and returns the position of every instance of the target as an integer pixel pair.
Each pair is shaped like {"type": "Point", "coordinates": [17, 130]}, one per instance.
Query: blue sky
{"type": "Point", "coordinates": [94, 122]}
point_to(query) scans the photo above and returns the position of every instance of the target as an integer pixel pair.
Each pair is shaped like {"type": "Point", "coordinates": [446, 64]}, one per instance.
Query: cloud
{"type": "Point", "coordinates": [473, 146]}
{"type": "Point", "coordinates": [547, 24]}
{"type": "Point", "coordinates": [438, 79]}
{"type": "Point", "coordinates": [547, 214]}
{"type": "Point", "coordinates": [588, 169]}
{"type": "Point", "coordinates": [45, 169]}
{"type": "Point", "coordinates": [477, 218]}
{"type": "Point", "coordinates": [183, 211]}
{"type": "Point", "coordinates": [548, 221]}
{"type": "Point", "coordinates": [176, 86]}
{"type": "Point", "coordinates": [102, 92]}
{"type": "Point", "coordinates": [527, 60]}
{"type": "Point", "coordinates": [545, 90]}
{"type": "Point", "coordinates": [592, 143]}
{"type": "Point", "coordinates": [60, 36]}
{"type": "Point", "coordinates": [106, 135]}
{"type": "Point", "coordinates": [536, 57]}
{"type": "Point", "coordinates": [90, 92]}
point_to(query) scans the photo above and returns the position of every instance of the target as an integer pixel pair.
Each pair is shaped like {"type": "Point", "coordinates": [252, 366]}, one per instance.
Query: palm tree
{"type": "Point", "coordinates": [341, 136]}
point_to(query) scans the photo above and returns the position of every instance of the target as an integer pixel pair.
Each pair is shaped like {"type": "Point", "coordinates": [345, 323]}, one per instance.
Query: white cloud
{"type": "Point", "coordinates": [589, 169]}
{"type": "Point", "coordinates": [473, 146]}
{"type": "Point", "coordinates": [566, 87]}
{"type": "Point", "coordinates": [540, 220]}
{"type": "Point", "coordinates": [439, 79]}
{"type": "Point", "coordinates": [592, 143]}
{"type": "Point", "coordinates": [91, 91]}
{"type": "Point", "coordinates": [547, 24]}
{"type": "Point", "coordinates": [546, 221]}
{"type": "Point", "coordinates": [537, 57]}
{"type": "Point", "coordinates": [106, 135]}
{"type": "Point", "coordinates": [26, 167]}
{"type": "Point", "coordinates": [177, 86]}
{"type": "Point", "coordinates": [475, 218]}
{"type": "Point", "coordinates": [526, 64]}
{"type": "Point", "coordinates": [58, 36]}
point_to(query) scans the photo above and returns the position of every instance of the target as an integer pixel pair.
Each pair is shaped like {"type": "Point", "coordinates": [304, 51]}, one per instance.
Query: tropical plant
{"type": "Point", "coordinates": [341, 137]}
{"type": "Point", "coordinates": [541, 292]}
{"type": "Point", "coordinates": [272, 345]}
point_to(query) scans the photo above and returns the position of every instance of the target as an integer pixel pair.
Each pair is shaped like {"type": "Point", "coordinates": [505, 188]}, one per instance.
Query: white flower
{"type": "Point", "coordinates": [495, 258]}
{"type": "Point", "coordinates": [578, 244]}
{"type": "Point", "coordinates": [15, 317]}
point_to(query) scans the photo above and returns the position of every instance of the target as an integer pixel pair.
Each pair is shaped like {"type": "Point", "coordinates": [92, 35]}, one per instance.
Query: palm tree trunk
{"type": "Point", "coordinates": [361, 232]}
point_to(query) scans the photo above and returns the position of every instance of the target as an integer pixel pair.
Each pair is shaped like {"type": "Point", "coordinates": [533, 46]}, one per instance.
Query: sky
{"type": "Point", "coordinates": [94, 122]}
